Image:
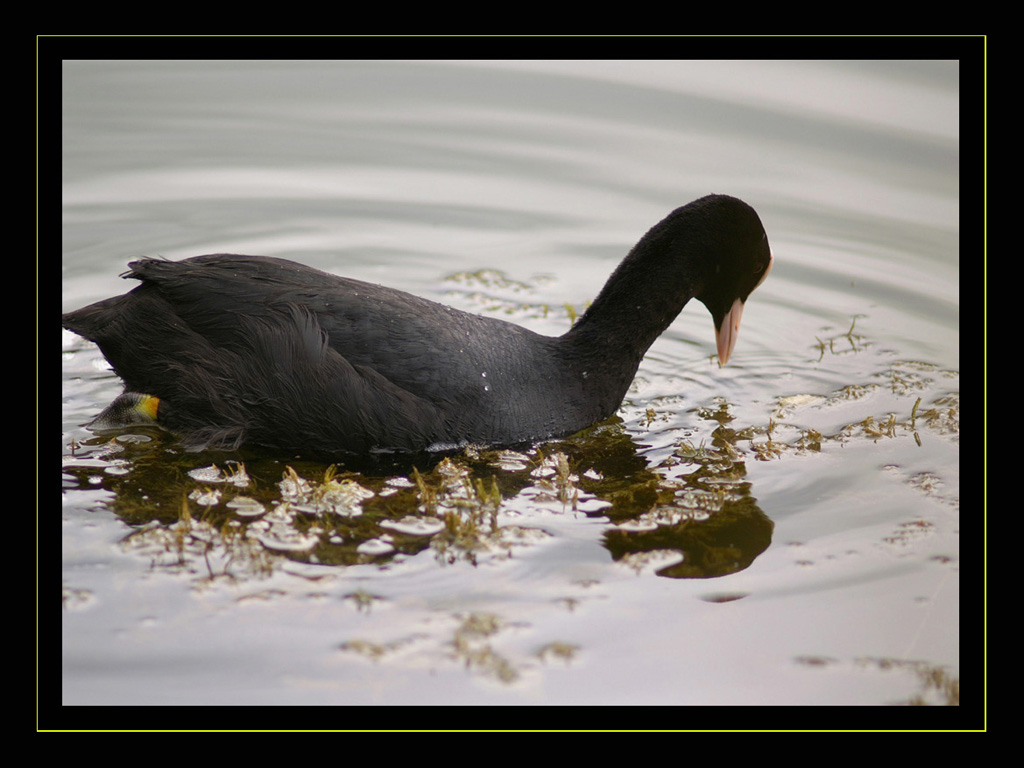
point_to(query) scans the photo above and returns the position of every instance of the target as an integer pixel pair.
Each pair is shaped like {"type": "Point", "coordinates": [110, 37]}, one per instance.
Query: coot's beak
{"type": "Point", "coordinates": [729, 331]}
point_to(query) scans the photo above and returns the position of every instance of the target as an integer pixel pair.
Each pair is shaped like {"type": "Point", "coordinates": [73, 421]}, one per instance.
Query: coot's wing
{"type": "Point", "coordinates": [235, 351]}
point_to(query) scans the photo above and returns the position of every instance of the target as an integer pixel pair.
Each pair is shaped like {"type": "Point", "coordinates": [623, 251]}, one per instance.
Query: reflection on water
{"type": "Point", "coordinates": [239, 511]}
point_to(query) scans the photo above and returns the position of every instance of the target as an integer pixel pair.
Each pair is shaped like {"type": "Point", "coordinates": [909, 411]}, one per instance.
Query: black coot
{"type": "Point", "coordinates": [229, 350]}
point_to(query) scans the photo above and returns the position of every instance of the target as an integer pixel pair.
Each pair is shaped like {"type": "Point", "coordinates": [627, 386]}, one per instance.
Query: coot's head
{"type": "Point", "coordinates": [740, 259]}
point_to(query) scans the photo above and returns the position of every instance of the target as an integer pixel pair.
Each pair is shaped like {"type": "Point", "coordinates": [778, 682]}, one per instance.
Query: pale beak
{"type": "Point", "coordinates": [730, 331]}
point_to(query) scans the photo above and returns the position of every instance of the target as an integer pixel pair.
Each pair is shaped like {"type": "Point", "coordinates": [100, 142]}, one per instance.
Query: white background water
{"type": "Point", "coordinates": [406, 173]}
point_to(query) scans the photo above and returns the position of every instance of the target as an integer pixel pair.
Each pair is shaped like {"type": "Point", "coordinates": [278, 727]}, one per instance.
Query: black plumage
{"type": "Point", "coordinates": [251, 350]}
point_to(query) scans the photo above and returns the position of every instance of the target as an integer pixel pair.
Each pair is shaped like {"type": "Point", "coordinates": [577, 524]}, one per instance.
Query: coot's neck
{"type": "Point", "coordinates": [640, 300]}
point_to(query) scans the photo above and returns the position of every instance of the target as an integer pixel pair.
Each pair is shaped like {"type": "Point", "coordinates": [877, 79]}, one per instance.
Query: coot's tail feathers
{"type": "Point", "coordinates": [88, 321]}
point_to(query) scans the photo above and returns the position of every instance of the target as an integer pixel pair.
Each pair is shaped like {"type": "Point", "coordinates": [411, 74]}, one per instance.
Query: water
{"type": "Point", "coordinates": [816, 564]}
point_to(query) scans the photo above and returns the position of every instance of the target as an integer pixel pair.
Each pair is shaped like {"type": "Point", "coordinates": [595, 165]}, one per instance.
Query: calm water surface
{"type": "Point", "coordinates": [784, 530]}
